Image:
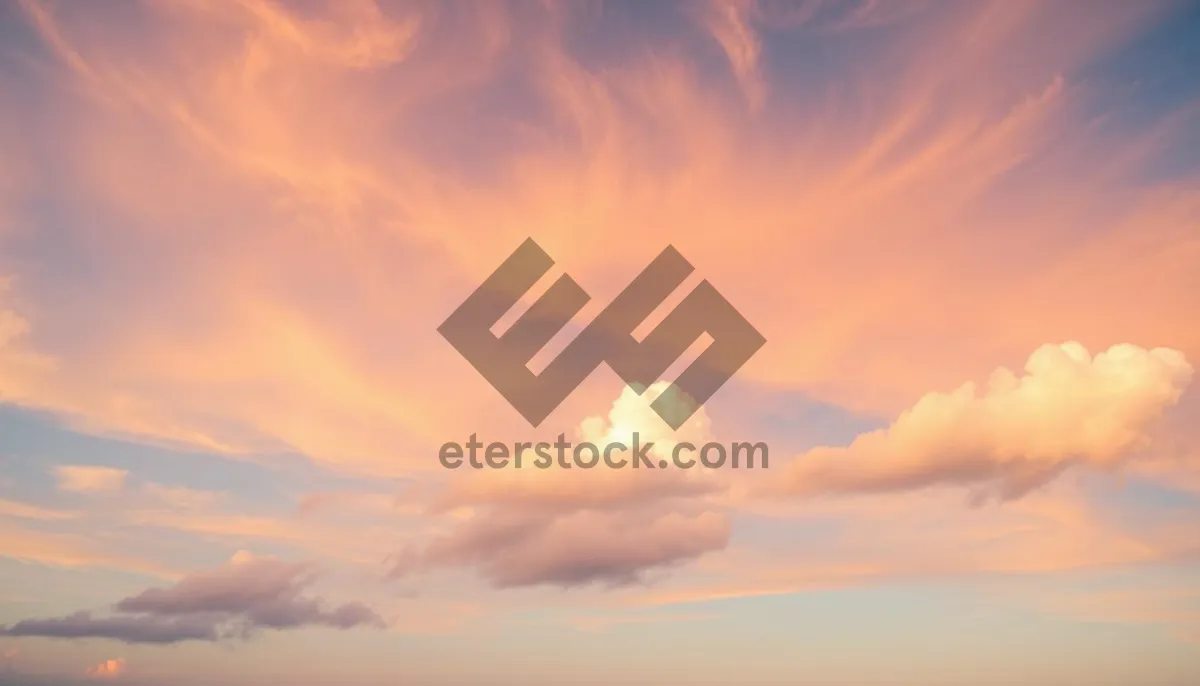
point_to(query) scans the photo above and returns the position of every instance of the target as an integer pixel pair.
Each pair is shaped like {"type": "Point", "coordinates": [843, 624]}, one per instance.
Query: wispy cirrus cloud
{"type": "Point", "coordinates": [234, 227]}
{"type": "Point", "coordinates": [730, 22]}
{"type": "Point", "coordinates": [10, 508]}
{"type": "Point", "coordinates": [341, 163]}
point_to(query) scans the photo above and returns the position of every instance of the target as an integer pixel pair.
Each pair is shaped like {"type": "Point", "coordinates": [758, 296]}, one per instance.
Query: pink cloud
{"type": "Point", "coordinates": [246, 595]}
{"type": "Point", "coordinates": [306, 137]}
{"type": "Point", "coordinates": [576, 549]}
{"type": "Point", "coordinates": [575, 527]}
{"type": "Point", "coordinates": [262, 211]}
{"type": "Point", "coordinates": [86, 479]}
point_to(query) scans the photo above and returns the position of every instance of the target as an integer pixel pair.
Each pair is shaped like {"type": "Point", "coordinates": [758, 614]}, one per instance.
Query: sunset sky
{"type": "Point", "coordinates": [969, 232]}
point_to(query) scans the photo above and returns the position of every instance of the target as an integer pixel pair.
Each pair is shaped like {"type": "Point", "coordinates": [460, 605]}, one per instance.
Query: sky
{"type": "Point", "coordinates": [969, 233]}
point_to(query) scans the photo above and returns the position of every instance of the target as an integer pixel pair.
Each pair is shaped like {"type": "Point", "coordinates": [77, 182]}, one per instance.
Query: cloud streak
{"type": "Point", "coordinates": [246, 595]}
{"type": "Point", "coordinates": [84, 479]}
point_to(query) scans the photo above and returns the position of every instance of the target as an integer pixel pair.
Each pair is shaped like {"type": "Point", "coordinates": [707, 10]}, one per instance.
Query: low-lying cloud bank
{"type": "Point", "coordinates": [246, 595]}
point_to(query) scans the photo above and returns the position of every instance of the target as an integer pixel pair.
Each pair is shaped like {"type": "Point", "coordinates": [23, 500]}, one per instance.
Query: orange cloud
{"type": "Point", "coordinates": [74, 550]}
{"type": "Point", "coordinates": [244, 221]}
{"type": "Point", "coordinates": [109, 669]}
{"type": "Point", "coordinates": [9, 508]}
{"type": "Point", "coordinates": [1020, 432]}
{"type": "Point", "coordinates": [12, 325]}
{"type": "Point", "coordinates": [85, 479]}
{"type": "Point", "coordinates": [296, 199]}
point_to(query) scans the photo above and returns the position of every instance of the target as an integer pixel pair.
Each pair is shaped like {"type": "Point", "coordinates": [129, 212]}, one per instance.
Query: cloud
{"type": "Point", "coordinates": [266, 591]}
{"type": "Point", "coordinates": [839, 15]}
{"type": "Point", "coordinates": [1014, 435]}
{"type": "Point", "coordinates": [17, 360]}
{"type": "Point", "coordinates": [9, 508]}
{"type": "Point", "coordinates": [135, 629]}
{"type": "Point", "coordinates": [575, 527]}
{"type": "Point", "coordinates": [359, 36]}
{"type": "Point", "coordinates": [74, 549]}
{"type": "Point", "coordinates": [88, 479]}
{"type": "Point", "coordinates": [729, 23]}
{"type": "Point", "coordinates": [576, 549]}
{"type": "Point", "coordinates": [559, 489]}
{"type": "Point", "coordinates": [11, 327]}
{"type": "Point", "coordinates": [82, 479]}
{"type": "Point", "coordinates": [246, 595]}
{"type": "Point", "coordinates": [109, 669]}
{"type": "Point", "coordinates": [245, 220]}
{"type": "Point", "coordinates": [348, 137]}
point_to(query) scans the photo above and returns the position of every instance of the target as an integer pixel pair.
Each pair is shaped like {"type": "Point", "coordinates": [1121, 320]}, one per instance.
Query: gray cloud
{"type": "Point", "coordinates": [230, 602]}
{"type": "Point", "coordinates": [584, 547]}
{"type": "Point", "coordinates": [130, 629]}
{"type": "Point", "coordinates": [267, 592]}
{"type": "Point", "coordinates": [576, 527]}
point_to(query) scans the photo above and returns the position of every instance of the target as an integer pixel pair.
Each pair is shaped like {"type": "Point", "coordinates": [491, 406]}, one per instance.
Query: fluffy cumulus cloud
{"type": "Point", "coordinates": [571, 526]}
{"type": "Point", "coordinates": [109, 669]}
{"type": "Point", "coordinates": [1015, 434]}
{"type": "Point", "coordinates": [247, 594]}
